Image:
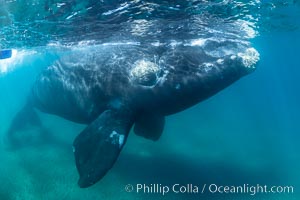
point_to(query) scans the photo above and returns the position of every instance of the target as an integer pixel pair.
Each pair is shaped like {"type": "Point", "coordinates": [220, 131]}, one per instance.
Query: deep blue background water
{"type": "Point", "coordinates": [246, 134]}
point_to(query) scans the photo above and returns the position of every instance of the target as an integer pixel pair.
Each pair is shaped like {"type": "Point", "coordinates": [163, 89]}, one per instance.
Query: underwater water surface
{"type": "Point", "coordinates": [246, 134]}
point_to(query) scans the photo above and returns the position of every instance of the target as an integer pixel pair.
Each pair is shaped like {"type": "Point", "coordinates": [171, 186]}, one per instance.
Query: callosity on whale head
{"type": "Point", "coordinates": [189, 73]}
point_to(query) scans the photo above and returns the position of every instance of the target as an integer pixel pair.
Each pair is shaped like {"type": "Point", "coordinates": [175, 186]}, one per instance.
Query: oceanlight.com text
{"type": "Point", "coordinates": [252, 190]}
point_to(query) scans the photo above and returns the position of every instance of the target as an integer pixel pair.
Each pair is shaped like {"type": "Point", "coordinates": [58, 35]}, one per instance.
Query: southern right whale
{"type": "Point", "coordinates": [114, 86]}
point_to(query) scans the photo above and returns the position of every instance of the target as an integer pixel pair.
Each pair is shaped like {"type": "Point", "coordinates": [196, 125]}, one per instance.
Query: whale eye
{"type": "Point", "coordinates": [145, 72]}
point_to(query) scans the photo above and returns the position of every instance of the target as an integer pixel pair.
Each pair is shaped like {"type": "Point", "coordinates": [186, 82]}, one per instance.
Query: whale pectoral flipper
{"type": "Point", "coordinates": [97, 147]}
{"type": "Point", "coordinates": [150, 126]}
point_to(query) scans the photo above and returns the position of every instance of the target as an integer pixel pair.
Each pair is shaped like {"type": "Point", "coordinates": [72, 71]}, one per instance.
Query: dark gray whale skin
{"type": "Point", "coordinates": [112, 87]}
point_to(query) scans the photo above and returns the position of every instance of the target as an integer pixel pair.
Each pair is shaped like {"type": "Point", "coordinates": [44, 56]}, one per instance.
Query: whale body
{"type": "Point", "coordinates": [113, 87]}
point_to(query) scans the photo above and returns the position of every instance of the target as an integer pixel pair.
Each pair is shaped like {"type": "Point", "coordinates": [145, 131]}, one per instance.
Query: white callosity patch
{"type": "Point", "coordinates": [117, 139]}
{"type": "Point", "coordinates": [249, 58]}
{"type": "Point", "coordinates": [145, 72]}
{"type": "Point", "coordinates": [220, 61]}
{"type": "Point", "coordinates": [219, 48]}
{"type": "Point", "coordinates": [206, 67]}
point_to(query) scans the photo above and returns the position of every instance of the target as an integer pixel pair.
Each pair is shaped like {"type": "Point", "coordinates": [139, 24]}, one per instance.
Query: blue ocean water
{"type": "Point", "coordinates": [246, 134]}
